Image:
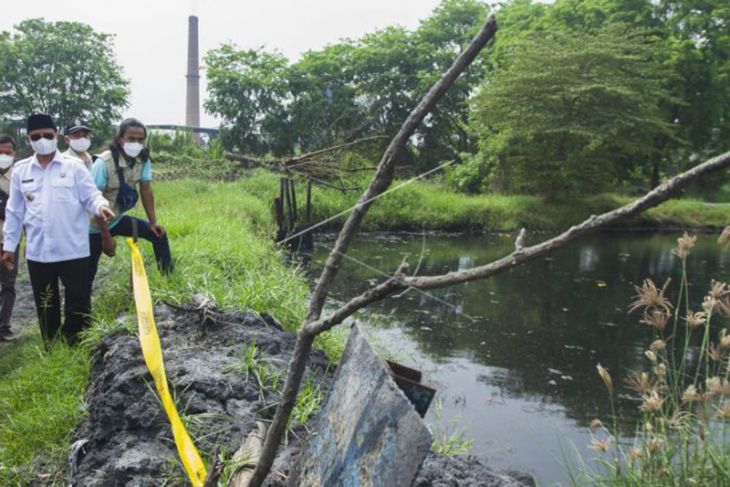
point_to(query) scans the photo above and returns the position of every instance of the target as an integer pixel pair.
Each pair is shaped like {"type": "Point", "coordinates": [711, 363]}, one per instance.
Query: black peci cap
{"type": "Point", "coordinates": [41, 121]}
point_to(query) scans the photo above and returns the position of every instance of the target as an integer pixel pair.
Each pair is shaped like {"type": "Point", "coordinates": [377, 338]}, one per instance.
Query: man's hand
{"type": "Point", "coordinates": [108, 246]}
{"type": "Point", "coordinates": [8, 260]}
{"type": "Point", "coordinates": [105, 213]}
{"type": "Point", "coordinates": [157, 229]}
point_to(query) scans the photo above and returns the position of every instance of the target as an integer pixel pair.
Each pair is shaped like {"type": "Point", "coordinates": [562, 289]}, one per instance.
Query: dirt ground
{"type": "Point", "coordinates": [125, 439]}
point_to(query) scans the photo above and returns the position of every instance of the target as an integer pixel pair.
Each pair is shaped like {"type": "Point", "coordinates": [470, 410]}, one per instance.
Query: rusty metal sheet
{"type": "Point", "coordinates": [368, 432]}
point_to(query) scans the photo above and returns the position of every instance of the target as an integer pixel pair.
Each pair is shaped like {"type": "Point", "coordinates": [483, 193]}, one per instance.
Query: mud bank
{"type": "Point", "coordinates": [125, 439]}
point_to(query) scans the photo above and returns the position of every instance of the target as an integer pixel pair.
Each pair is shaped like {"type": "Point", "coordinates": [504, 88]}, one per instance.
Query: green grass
{"type": "Point", "coordinates": [448, 438]}
{"type": "Point", "coordinates": [220, 239]}
{"type": "Point", "coordinates": [41, 400]}
{"type": "Point", "coordinates": [221, 245]}
{"type": "Point", "coordinates": [431, 206]}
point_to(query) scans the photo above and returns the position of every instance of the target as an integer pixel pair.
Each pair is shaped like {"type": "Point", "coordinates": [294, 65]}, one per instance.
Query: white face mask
{"type": "Point", "coordinates": [5, 161]}
{"type": "Point", "coordinates": [43, 146]}
{"type": "Point", "coordinates": [80, 145]}
{"type": "Point", "coordinates": [132, 149]}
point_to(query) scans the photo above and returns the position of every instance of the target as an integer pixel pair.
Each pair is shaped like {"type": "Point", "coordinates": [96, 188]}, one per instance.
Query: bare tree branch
{"type": "Point", "coordinates": [380, 183]}
{"type": "Point", "coordinates": [399, 281]}
{"type": "Point", "coordinates": [310, 155]}
{"type": "Point", "coordinates": [310, 159]}
{"type": "Point", "coordinates": [384, 175]}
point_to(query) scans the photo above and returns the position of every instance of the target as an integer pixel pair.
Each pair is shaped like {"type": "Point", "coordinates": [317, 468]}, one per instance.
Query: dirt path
{"type": "Point", "coordinates": [25, 320]}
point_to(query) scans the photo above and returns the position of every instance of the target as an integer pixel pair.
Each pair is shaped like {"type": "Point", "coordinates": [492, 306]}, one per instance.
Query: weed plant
{"type": "Point", "coordinates": [448, 438]}
{"type": "Point", "coordinates": [682, 436]}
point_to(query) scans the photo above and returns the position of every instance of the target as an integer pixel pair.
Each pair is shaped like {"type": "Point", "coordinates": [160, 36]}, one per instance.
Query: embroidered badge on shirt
{"type": "Point", "coordinates": [29, 196]}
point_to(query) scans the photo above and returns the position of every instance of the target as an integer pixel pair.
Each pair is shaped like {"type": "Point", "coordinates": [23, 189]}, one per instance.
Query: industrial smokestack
{"type": "Point", "coordinates": [192, 105]}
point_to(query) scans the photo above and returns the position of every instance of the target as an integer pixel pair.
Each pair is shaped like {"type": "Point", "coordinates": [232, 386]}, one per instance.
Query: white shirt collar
{"type": "Point", "coordinates": [56, 158]}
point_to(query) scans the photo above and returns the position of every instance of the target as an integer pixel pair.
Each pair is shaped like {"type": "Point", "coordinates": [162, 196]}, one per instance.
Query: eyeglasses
{"type": "Point", "coordinates": [37, 137]}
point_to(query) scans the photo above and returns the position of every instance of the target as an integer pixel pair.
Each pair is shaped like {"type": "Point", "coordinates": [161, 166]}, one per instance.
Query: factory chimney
{"type": "Point", "coordinates": [192, 105]}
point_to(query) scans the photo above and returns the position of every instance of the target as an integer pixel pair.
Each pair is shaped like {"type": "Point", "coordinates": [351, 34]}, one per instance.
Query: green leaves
{"type": "Point", "coordinates": [248, 90]}
{"type": "Point", "coordinates": [569, 111]}
{"type": "Point", "coordinates": [65, 69]}
{"type": "Point", "coordinates": [350, 89]}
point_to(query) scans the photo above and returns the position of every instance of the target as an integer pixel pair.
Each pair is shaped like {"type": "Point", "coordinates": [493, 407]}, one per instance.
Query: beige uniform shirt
{"type": "Point", "coordinates": [5, 186]}
{"type": "Point", "coordinates": [84, 159]}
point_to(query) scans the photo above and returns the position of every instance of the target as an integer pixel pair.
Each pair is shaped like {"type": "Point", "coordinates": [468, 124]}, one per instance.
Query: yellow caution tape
{"type": "Point", "coordinates": [150, 341]}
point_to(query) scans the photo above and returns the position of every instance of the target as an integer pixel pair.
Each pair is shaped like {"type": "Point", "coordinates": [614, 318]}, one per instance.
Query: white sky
{"type": "Point", "coordinates": [151, 35]}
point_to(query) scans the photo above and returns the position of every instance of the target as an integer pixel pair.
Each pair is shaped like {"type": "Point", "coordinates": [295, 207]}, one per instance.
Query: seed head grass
{"type": "Point", "coordinates": [682, 434]}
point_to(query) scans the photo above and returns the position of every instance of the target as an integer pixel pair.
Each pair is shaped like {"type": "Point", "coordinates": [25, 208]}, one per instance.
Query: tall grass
{"type": "Point", "coordinates": [682, 435]}
{"type": "Point", "coordinates": [221, 245]}
{"type": "Point", "coordinates": [220, 240]}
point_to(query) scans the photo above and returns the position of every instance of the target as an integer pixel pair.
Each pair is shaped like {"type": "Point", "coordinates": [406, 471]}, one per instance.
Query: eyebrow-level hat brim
{"type": "Point", "coordinates": [76, 128]}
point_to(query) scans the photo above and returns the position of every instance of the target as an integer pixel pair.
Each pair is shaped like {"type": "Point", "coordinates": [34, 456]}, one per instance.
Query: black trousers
{"type": "Point", "coordinates": [161, 245]}
{"type": "Point", "coordinates": [7, 294]}
{"type": "Point", "coordinates": [74, 275]}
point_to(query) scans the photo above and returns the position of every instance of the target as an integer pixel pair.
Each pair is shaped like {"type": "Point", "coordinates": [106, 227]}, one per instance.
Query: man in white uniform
{"type": "Point", "coordinates": [49, 198]}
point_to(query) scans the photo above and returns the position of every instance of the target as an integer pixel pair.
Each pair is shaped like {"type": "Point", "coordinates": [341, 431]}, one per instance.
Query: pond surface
{"type": "Point", "coordinates": [514, 357]}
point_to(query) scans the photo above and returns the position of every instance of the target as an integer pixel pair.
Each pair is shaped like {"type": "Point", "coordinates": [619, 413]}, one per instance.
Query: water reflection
{"type": "Point", "coordinates": [514, 356]}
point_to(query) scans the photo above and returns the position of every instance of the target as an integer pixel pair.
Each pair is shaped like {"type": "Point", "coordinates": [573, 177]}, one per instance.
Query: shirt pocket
{"type": "Point", "coordinates": [63, 189]}
{"type": "Point", "coordinates": [31, 193]}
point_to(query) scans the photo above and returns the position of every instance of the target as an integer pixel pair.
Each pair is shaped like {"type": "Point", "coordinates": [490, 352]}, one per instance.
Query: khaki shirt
{"type": "Point", "coordinates": [132, 176]}
{"type": "Point", "coordinates": [86, 160]}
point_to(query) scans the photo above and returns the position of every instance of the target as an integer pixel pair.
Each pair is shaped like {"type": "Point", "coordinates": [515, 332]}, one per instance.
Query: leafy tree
{"type": "Point", "coordinates": [65, 69]}
{"type": "Point", "coordinates": [249, 89]}
{"type": "Point", "coordinates": [325, 108]}
{"type": "Point", "coordinates": [700, 45]}
{"type": "Point", "coordinates": [445, 135]}
{"type": "Point", "coordinates": [692, 43]}
{"type": "Point", "coordinates": [570, 112]}
{"type": "Point", "coordinates": [350, 89]}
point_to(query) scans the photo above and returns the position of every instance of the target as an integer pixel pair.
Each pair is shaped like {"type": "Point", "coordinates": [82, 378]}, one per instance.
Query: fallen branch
{"type": "Point", "coordinates": [248, 455]}
{"type": "Point", "coordinates": [214, 472]}
{"type": "Point", "coordinates": [305, 164]}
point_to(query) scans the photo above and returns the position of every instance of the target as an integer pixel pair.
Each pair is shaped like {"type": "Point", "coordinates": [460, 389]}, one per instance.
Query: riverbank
{"type": "Point", "coordinates": [221, 241]}
{"type": "Point", "coordinates": [226, 370]}
{"type": "Point", "coordinates": [427, 205]}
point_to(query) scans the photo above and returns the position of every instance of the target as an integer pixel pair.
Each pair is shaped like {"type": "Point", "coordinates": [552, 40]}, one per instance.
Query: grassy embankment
{"type": "Point", "coordinates": [221, 246]}
{"type": "Point", "coordinates": [220, 236]}
{"type": "Point", "coordinates": [431, 206]}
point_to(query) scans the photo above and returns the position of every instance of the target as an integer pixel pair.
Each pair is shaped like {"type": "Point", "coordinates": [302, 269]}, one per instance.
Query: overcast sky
{"type": "Point", "coordinates": [151, 35]}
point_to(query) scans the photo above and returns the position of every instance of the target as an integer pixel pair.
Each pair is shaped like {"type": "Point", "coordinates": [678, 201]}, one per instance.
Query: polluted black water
{"type": "Point", "coordinates": [514, 357]}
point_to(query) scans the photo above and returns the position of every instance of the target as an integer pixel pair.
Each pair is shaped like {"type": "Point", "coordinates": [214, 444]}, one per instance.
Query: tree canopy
{"type": "Point", "coordinates": [65, 69]}
{"type": "Point", "coordinates": [573, 93]}
{"type": "Point", "coordinates": [352, 88]}
{"type": "Point", "coordinates": [571, 112]}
